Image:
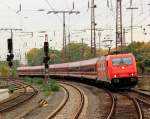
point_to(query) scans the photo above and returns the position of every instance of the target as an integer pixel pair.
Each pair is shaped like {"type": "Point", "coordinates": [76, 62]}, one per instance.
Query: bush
{"type": "Point", "coordinates": [147, 70]}
{"type": "Point", "coordinates": [4, 70]}
{"type": "Point", "coordinates": [11, 89]}
{"type": "Point", "coordinates": [46, 87]}
{"type": "Point", "coordinates": [53, 84]}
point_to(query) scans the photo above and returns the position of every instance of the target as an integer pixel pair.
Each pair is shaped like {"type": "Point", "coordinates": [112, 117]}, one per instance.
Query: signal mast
{"type": "Point", "coordinates": [46, 57]}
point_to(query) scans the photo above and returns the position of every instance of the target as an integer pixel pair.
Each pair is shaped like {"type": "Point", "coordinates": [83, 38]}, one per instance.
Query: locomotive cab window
{"type": "Point", "coordinates": [122, 61]}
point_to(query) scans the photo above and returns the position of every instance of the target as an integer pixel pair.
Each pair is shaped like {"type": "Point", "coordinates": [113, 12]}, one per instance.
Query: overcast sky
{"type": "Point", "coordinates": [31, 20]}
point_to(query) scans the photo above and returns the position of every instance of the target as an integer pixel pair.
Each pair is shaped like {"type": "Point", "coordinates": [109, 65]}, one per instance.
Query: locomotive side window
{"type": "Point", "coordinates": [122, 61]}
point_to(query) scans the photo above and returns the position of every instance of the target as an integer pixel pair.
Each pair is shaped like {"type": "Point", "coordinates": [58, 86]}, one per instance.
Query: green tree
{"type": "Point", "coordinates": [35, 56]}
{"type": "Point", "coordinates": [77, 51]}
{"type": "Point", "coordinates": [4, 70]}
{"type": "Point", "coordinates": [142, 52]}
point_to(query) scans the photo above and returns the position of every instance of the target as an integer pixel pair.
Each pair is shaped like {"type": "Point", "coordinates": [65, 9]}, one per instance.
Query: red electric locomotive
{"type": "Point", "coordinates": [117, 70]}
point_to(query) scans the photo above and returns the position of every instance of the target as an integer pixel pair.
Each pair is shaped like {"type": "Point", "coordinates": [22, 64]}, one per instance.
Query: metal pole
{"type": "Point", "coordinates": [93, 40]}
{"type": "Point", "coordinates": [91, 27]}
{"type": "Point", "coordinates": [124, 38]}
{"type": "Point", "coordinates": [46, 69]}
{"type": "Point", "coordinates": [94, 28]}
{"type": "Point", "coordinates": [99, 35]}
{"type": "Point", "coordinates": [82, 49]}
{"type": "Point", "coordinates": [64, 29]}
{"type": "Point", "coordinates": [64, 37]}
{"type": "Point", "coordinates": [132, 8]}
{"type": "Point", "coordinates": [149, 8]}
{"type": "Point", "coordinates": [119, 24]}
{"type": "Point", "coordinates": [131, 22]}
{"type": "Point", "coordinates": [11, 33]}
{"type": "Point", "coordinates": [69, 57]}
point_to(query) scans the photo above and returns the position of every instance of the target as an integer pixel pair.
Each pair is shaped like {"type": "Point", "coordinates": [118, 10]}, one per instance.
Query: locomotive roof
{"type": "Point", "coordinates": [119, 55]}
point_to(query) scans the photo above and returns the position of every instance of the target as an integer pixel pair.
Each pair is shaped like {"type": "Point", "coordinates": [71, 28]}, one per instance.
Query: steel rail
{"type": "Point", "coordinates": [143, 101]}
{"type": "Point", "coordinates": [138, 107]}
{"type": "Point", "coordinates": [61, 107]}
{"type": "Point", "coordinates": [53, 114]}
{"type": "Point", "coordinates": [9, 104]}
{"type": "Point", "coordinates": [82, 101]}
{"type": "Point", "coordinates": [140, 92]}
{"type": "Point", "coordinates": [113, 104]}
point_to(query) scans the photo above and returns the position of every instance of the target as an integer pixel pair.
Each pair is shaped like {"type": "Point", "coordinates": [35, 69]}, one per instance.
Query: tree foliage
{"type": "Point", "coordinates": [35, 56]}
{"type": "Point", "coordinates": [78, 51]}
{"type": "Point", "coordinates": [74, 52]}
{"type": "Point", "coordinates": [142, 52]}
{"type": "Point", "coordinates": [4, 68]}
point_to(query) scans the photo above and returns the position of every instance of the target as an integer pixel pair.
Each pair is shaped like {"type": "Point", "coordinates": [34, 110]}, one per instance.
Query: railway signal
{"type": "Point", "coordinates": [46, 58]}
{"type": "Point", "coordinates": [10, 54]}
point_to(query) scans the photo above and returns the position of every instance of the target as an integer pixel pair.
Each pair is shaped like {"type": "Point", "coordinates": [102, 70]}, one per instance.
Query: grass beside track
{"type": "Point", "coordinates": [47, 87]}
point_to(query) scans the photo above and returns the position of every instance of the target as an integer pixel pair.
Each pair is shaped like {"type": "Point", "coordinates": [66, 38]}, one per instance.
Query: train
{"type": "Point", "coordinates": [118, 71]}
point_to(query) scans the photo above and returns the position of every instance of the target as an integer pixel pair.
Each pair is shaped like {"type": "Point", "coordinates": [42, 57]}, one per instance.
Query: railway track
{"type": "Point", "coordinates": [124, 107]}
{"type": "Point", "coordinates": [72, 112]}
{"type": "Point", "coordinates": [143, 99]}
{"type": "Point", "coordinates": [22, 97]}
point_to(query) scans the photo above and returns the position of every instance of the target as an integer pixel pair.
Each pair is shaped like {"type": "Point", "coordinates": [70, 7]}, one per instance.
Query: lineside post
{"type": "Point", "coordinates": [10, 54]}
{"type": "Point", "coordinates": [46, 58]}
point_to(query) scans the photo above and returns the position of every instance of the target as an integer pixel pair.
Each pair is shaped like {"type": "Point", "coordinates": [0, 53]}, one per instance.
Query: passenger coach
{"type": "Point", "coordinates": [117, 70]}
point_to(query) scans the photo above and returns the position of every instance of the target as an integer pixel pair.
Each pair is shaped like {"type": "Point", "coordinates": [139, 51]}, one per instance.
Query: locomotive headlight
{"type": "Point", "coordinates": [131, 74]}
{"type": "Point", "coordinates": [115, 76]}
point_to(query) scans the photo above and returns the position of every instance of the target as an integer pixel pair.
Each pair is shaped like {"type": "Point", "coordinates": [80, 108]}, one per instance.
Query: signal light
{"type": "Point", "coordinates": [9, 59]}
{"type": "Point", "coordinates": [10, 46]}
{"type": "Point", "coordinates": [46, 48]}
{"type": "Point", "coordinates": [11, 56]}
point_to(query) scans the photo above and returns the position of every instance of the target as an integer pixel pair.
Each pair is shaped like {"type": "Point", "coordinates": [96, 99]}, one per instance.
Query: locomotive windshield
{"type": "Point", "coordinates": [122, 61]}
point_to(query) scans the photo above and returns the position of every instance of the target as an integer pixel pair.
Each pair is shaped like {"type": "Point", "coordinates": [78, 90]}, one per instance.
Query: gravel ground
{"type": "Point", "coordinates": [125, 108]}
{"type": "Point", "coordinates": [42, 112]}
{"type": "Point", "coordinates": [146, 111]}
{"type": "Point", "coordinates": [98, 102]}
{"type": "Point", "coordinates": [22, 109]}
{"type": "Point", "coordinates": [97, 105]}
{"type": "Point", "coordinates": [71, 106]}
{"type": "Point", "coordinates": [30, 106]}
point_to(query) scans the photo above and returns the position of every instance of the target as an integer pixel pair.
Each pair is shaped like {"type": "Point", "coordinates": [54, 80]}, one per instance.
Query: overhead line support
{"type": "Point", "coordinates": [64, 55]}
{"type": "Point", "coordinates": [132, 9]}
